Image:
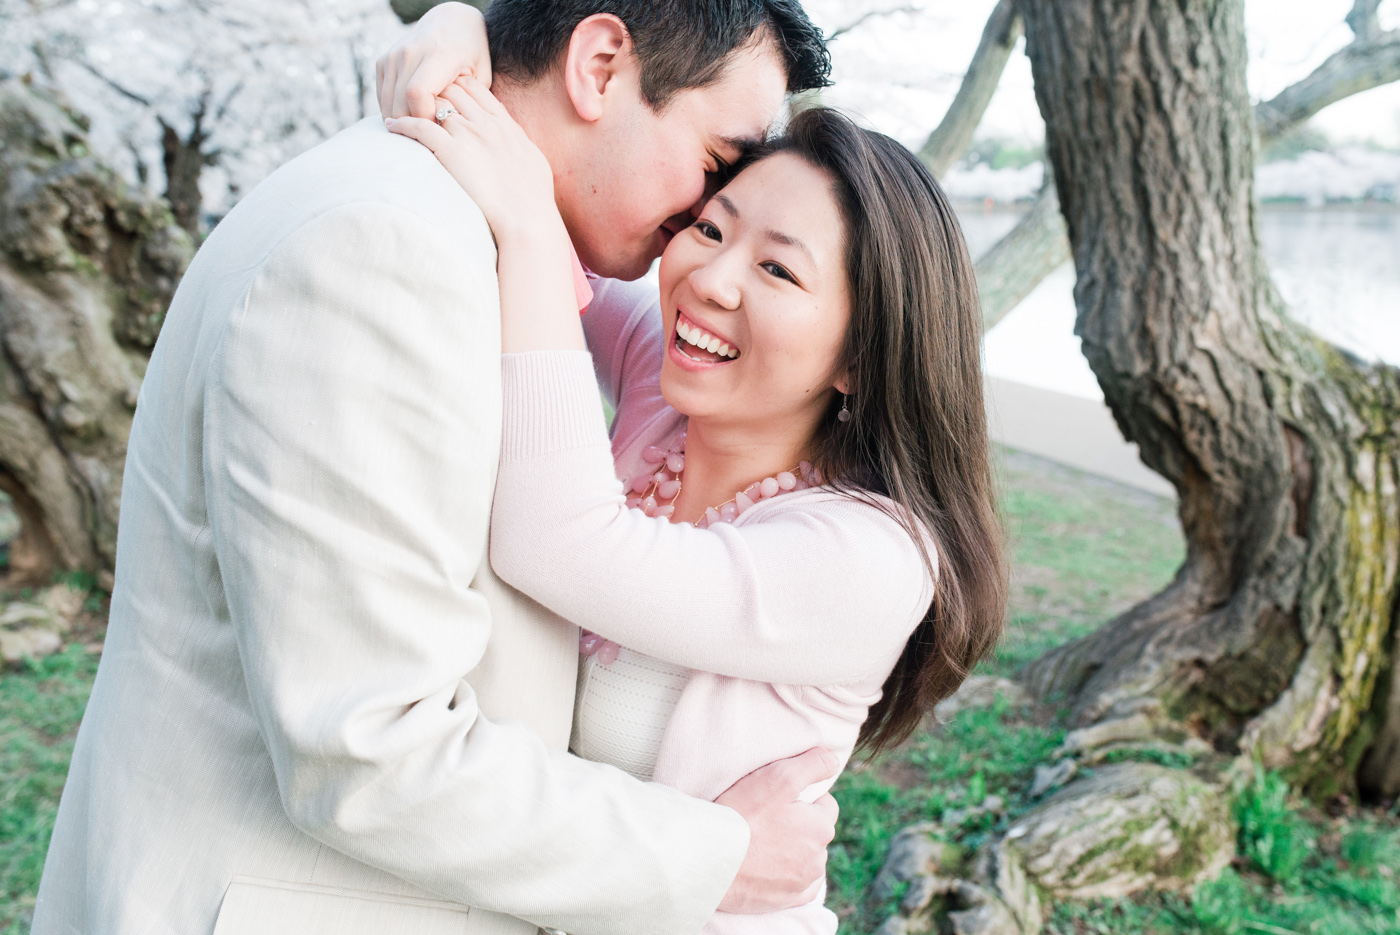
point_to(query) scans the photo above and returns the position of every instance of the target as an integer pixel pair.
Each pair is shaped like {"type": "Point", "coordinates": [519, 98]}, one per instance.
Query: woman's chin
{"type": "Point", "coordinates": [685, 393]}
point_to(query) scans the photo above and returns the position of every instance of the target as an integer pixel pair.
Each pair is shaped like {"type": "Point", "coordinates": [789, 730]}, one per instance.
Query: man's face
{"type": "Point", "coordinates": [643, 171]}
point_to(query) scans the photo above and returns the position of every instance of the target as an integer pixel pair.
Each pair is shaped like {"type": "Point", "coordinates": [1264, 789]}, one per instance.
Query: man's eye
{"type": "Point", "coordinates": [708, 230]}
{"type": "Point", "coordinates": [776, 270]}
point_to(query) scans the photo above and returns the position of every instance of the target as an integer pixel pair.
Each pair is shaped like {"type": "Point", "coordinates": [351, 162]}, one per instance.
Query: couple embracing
{"type": "Point", "coordinates": [371, 497]}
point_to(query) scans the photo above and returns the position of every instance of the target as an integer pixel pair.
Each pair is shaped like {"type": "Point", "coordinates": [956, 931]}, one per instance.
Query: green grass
{"type": "Point", "coordinates": [40, 707]}
{"type": "Point", "coordinates": [992, 751]}
{"type": "Point", "coordinates": [1296, 872]}
{"type": "Point", "coordinates": [1082, 551]}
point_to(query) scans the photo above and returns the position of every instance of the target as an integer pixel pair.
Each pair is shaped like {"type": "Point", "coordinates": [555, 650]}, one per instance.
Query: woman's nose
{"type": "Point", "coordinates": [717, 281]}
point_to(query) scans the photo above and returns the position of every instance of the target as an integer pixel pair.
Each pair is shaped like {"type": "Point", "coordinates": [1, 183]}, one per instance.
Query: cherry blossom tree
{"type": "Point", "coordinates": [200, 99]}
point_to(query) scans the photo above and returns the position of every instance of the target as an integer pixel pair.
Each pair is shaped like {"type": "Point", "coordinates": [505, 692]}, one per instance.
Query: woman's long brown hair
{"type": "Point", "coordinates": [918, 431]}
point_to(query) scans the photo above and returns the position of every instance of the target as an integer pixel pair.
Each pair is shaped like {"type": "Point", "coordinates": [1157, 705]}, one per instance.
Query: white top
{"type": "Point", "coordinates": [623, 709]}
{"type": "Point", "coordinates": [808, 601]}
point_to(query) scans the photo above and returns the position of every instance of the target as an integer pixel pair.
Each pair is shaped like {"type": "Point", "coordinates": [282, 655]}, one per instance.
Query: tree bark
{"type": "Point", "coordinates": [87, 269]}
{"type": "Point", "coordinates": [1285, 452]}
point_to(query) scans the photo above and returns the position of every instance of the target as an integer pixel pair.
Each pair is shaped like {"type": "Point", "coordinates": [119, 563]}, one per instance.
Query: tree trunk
{"type": "Point", "coordinates": [1285, 452]}
{"type": "Point", "coordinates": [87, 269]}
{"type": "Point", "coordinates": [184, 160]}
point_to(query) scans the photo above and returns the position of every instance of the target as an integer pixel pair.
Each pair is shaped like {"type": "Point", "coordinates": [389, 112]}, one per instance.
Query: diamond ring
{"type": "Point", "coordinates": [445, 112]}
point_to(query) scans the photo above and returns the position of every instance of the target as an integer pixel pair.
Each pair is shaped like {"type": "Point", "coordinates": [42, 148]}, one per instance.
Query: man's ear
{"type": "Point", "coordinates": [599, 50]}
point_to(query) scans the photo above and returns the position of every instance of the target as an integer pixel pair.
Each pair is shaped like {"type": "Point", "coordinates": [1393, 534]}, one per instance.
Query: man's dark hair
{"type": "Point", "coordinates": [680, 44]}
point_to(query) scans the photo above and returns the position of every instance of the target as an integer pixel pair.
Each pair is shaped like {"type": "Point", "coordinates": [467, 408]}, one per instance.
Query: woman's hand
{"type": "Point", "coordinates": [447, 42]}
{"type": "Point", "coordinates": [491, 157]}
{"type": "Point", "coordinates": [509, 179]}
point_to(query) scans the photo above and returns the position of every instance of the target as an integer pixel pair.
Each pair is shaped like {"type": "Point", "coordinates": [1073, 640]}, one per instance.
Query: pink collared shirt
{"type": "Point", "coordinates": [583, 290]}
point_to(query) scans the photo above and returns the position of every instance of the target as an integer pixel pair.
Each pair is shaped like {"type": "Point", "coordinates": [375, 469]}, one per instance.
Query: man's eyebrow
{"type": "Point", "coordinates": [743, 145]}
{"type": "Point", "coordinates": [728, 205]}
{"type": "Point", "coordinates": [788, 240]}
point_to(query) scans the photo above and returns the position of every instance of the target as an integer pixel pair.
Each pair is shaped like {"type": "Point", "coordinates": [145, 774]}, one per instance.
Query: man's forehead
{"type": "Point", "coordinates": [743, 104]}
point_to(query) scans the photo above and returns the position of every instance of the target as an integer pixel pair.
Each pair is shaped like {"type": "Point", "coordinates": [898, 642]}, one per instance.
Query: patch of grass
{"type": "Point", "coordinates": [1273, 837]}
{"type": "Point", "coordinates": [40, 707]}
{"type": "Point", "coordinates": [1082, 550]}
{"type": "Point", "coordinates": [992, 751]}
{"type": "Point", "coordinates": [1284, 882]}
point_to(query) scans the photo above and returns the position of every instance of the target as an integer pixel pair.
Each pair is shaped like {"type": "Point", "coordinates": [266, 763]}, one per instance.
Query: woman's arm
{"type": "Point", "coordinates": [809, 596]}
{"type": "Point", "coordinates": [822, 592]}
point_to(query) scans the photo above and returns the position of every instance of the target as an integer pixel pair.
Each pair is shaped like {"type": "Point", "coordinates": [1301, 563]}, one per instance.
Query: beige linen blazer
{"type": "Point", "coordinates": [317, 710]}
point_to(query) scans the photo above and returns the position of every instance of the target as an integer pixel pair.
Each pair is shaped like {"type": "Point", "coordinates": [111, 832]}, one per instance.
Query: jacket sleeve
{"type": "Point", "coordinates": [352, 428]}
{"type": "Point", "coordinates": [812, 594]}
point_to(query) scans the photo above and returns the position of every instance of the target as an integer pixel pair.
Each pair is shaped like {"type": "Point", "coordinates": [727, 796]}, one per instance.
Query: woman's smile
{"type": "Point", "coordinates": [702, 345]}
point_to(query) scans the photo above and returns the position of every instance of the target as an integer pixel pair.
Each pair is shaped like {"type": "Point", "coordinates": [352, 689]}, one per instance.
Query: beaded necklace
{"type": "Point", "coordinates": [655, 492]}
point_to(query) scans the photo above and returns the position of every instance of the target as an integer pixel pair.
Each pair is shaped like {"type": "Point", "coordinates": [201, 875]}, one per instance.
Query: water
{"type": "Point", "coordinates": [1337, 268]}
{"type": "Point", "coordinates": [1339, 272]}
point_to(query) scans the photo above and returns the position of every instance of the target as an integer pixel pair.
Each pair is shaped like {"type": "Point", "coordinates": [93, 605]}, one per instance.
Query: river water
{"type": "Point", "coordinates": [1337, 268]}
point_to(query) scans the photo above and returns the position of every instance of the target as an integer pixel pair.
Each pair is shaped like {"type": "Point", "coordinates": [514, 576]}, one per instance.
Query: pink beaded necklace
{"type": "Point", "coordinates": [655, 491]}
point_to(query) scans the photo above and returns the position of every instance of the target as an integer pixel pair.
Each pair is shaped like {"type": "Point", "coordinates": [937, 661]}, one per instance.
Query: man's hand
{"type": "Point", "coordinates": [786, 862]}
{"type": "Point", "coordinates": [449, 41]}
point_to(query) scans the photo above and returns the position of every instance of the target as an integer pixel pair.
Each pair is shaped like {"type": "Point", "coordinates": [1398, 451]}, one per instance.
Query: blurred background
{"type": "Point", "coordinates": [198, 101]}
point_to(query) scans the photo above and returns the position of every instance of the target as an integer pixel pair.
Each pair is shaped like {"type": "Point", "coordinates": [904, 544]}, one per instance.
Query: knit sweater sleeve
{"type": "Point", "coordinates": [822, 590]}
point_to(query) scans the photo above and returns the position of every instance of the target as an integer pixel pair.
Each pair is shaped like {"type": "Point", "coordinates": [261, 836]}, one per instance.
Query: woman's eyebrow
{"type": "Point", "coordinates": [790, 241]}
{"type": "Point", "coordinates": [728, 205]}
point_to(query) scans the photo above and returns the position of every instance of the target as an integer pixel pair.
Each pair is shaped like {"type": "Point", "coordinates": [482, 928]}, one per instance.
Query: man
{"type": "Point", "coordinates": [318, 711]}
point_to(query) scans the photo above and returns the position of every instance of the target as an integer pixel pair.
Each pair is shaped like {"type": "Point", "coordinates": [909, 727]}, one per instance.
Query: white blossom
{"type": "Point", "coordinates": [267, 78]}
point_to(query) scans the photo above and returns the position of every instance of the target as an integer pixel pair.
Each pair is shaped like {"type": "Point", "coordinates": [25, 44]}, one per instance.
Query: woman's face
{"type": "Point", "coordinates": [761, 278]}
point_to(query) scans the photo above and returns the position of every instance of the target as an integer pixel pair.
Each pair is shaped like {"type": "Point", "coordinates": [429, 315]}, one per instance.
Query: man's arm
{"type": "Point", "coordinates": [352, 421]}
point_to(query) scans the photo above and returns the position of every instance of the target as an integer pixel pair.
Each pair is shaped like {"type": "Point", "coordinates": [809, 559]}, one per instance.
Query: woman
{"type": "Point", "coordinates": [803, 550]}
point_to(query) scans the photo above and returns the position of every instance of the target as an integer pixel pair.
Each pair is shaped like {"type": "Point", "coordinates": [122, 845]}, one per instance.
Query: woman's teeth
{"type": "Point", "coordinates": [704, 341]}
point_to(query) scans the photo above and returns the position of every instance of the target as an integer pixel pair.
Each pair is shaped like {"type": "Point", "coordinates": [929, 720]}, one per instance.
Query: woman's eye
{"type": "Point", "coordinates": [708, 230]}
{"type": "Point", "coordinates": [776, 270]}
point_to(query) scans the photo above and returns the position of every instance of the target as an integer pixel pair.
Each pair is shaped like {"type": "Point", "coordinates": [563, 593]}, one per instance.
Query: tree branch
{"type": "Point", "coordinates": [1371, 60]}
{"type": "Point", "coordinates": [1008, 272]}
{"type": "Point", "coordinates": [868, 14]}
{"type": "Point", "coordinates": [124, 92]}
{"type": "Point", "coordinates": [1018, 262]}
{"type": "Point", "coordinates": [946, 143]}
{"type": "Point", "coordinates": [1363, 19]}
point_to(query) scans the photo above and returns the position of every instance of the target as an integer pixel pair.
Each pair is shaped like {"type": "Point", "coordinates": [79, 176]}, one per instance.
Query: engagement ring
{"type": "Point", "coordinates": [445, 112]}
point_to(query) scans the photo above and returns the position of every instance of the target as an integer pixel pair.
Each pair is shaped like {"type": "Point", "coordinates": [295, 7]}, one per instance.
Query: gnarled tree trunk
{"type": "Point", "coordinates": [1275, 634]}
{"type": "Point", "coordinates": [87, 269]}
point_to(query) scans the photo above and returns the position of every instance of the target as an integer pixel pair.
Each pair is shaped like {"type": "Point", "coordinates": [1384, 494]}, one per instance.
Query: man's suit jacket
{"type": "Point", "coordinates": [317, 710]}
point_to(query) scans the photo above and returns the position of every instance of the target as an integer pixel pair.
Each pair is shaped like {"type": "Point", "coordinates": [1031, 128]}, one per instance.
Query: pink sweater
{"type": "Point", "coordinates": [793, 616]}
